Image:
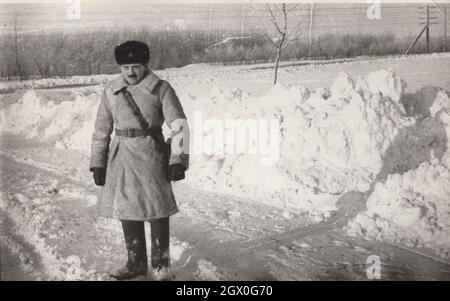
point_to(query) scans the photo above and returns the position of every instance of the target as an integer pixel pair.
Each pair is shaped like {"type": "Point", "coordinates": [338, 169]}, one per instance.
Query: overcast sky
{"type": "Point", "coordinates": [224, 1]}
{"type": "Point", "coordinates": [37, 16]}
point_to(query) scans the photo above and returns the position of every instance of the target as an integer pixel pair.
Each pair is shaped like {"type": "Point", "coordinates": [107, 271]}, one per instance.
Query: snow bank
{"type": "Point", "coordinates": [413, 207]}
{"type": "Point", "coordinates": [68, 124]}
{"type": "Point", "coordinates": [330, 142]}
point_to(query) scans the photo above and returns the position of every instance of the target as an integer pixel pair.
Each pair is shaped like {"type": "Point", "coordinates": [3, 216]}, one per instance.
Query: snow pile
{"type": "Point", "coordinates": [413, 207]}
{"type": "Point", "coordinates": [68, 124]}
{"type": "Point", "coordinates": [330, 142]}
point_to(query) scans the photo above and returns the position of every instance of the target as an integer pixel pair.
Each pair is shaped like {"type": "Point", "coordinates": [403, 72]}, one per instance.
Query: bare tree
{"type": "Point", "coordinates": [285, 36]}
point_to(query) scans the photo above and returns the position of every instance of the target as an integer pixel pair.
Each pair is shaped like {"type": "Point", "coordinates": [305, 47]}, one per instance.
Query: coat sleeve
{"type": "Point", "coordinates": [102, 135]}
{"type": "Point", "coordinates": [177, 122]}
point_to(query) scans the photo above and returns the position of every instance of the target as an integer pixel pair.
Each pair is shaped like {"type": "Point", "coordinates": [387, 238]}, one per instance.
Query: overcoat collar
{"type": "Point", "coordinates": [146, 85]}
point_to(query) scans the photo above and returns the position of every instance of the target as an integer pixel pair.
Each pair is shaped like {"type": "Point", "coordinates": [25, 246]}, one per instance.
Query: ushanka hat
{"type": "Point", "coordinates": [132, 52]}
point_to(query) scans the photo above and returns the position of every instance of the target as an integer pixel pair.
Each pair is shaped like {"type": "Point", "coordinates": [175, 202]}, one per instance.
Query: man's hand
{"type": "Point", "coordinates": [176, 172]}
{"type": "Point", "coordinates": [99, 176]}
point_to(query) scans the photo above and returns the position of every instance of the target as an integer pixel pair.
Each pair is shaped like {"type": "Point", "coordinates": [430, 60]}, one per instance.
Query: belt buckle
{"type": "Point", "coordinates": [130, 133]}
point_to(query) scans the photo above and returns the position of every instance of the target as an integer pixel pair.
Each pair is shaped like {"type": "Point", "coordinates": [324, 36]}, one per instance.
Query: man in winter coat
{"type": "Point", "coordinates": [135, 168]}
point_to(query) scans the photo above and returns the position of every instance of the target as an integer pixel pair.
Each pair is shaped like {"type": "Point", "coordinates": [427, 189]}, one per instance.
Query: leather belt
{"type": "Point", "coordinates": [132, 133]}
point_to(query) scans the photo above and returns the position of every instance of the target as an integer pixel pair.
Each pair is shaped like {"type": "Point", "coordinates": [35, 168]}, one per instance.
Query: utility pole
{"type": "Point", "coordinates": [428, 29]}
{"type": "Point", "coordinates": [209, 22]}
{"type": "Point", "coordinates": [223, 24]}
{"type": "Point", "coordinates": [16, 48]}
{"type": "Point", "coordinates": [310, 29]}
{"type": "Point", "coordinates": [445, 28]}
{"type": "Point", "coordinates": [444, 14]}
{"type": "Point", "coordinates": [190, 22]}
{"type": "Point", "coordinates": [243, 19]}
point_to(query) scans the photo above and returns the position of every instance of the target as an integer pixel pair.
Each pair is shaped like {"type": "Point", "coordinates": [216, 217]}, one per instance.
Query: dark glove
{"type": "Point", "coordinates": [176, 172]}
{"type": "Point", "coordinates": [99, 175]}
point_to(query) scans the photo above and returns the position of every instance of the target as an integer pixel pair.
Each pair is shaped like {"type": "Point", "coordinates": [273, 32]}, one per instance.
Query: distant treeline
{"type": "Point", "coordinates": [26, 56]}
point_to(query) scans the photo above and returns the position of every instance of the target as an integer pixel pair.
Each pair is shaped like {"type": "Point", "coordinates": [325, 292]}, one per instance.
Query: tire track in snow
{"type": "Point", "coordinates": [103, 242]}
{"type": "Point", "coordinates": [55, 170]}
{"type": "Point", "coordinates": [18, 260]}
{"type": "Point", "coordinates": [28, 215]}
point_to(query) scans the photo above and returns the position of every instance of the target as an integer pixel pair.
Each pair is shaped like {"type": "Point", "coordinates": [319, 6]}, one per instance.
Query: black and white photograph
{"type": "Point", "coordinates": [222, 141]}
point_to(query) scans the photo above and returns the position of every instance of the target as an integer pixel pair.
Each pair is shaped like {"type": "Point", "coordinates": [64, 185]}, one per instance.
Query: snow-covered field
{"type": "Point", "coordinates": [353, 158]}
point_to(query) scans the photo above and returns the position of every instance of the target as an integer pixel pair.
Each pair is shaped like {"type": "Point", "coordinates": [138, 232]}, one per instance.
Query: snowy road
{"type": "Point", "coordinates": [215, 237]}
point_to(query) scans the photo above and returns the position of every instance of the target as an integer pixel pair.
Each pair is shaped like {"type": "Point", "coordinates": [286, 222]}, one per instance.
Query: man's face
{"type": "Point", "coordinates": [133, 73]}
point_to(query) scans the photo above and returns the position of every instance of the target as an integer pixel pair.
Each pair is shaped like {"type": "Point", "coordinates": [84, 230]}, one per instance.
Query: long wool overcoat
{"type": "Point", "coordinates": [136, 186]}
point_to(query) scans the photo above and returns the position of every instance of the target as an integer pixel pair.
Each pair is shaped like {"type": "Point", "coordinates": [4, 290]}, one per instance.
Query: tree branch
{"type": "Point", "coordinates": [295, 32]}
{"type": "Point", "coordinates": [288, 43]}
{"type": "Point", "coordinates": [273, 19]}
{"type": "Point", "coordinates": [265, 35]}
{"type": "Point", "coordinates": [293, 8]}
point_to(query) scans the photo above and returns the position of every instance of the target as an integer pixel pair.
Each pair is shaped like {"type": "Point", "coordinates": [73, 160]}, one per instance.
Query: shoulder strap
{"type": "Point", "coordinates": [134, 109]}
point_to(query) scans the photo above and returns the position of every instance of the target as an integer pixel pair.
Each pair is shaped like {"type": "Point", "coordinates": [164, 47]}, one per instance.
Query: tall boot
{"type": "Point", "coordinates": [160, 248]}
{"type": "Point", "coordinates": [134, 233]}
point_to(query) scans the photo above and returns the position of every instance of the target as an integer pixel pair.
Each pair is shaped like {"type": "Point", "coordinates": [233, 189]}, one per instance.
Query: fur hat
{"type": "Point", "coordinates": [132, 52]}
